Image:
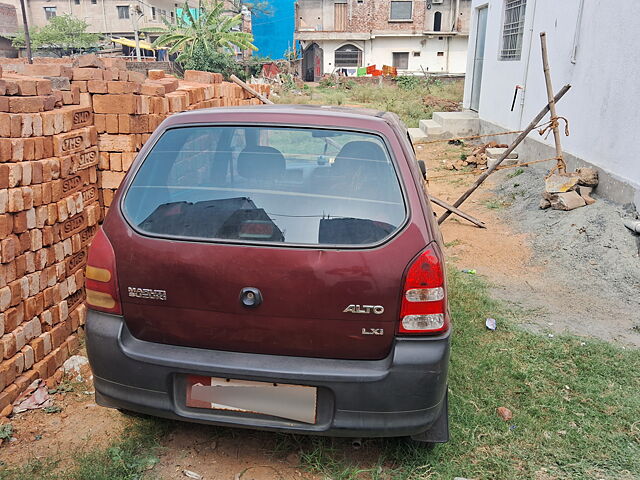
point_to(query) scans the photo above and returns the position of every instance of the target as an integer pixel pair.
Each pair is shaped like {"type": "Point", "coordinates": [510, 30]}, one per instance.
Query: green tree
{"type": "Point", "coordinates": [63, 34]}
{"type": "Point", "coordinates": [208, 30]}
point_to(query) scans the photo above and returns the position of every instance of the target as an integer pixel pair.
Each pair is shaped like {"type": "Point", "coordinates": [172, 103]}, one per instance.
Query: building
{"type": "Point", "coordinates": [273, 34]}
{"type": "Point", "coordinates": [110, 17]}
{"type": "Point", "coordinates": [587, 49]}
{"type": "Point", "coordinates": [413, 36]}
{"type": "Point", "coordinates": [8, 28]}
{"type": "Point", "coordinates": [115, 18]}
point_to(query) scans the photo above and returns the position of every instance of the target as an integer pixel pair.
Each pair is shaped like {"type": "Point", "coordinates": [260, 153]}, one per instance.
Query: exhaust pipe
{"type": "Point", "coordinates": [633, 225]}
{"type": "Point", "coordinates": [356, 443]}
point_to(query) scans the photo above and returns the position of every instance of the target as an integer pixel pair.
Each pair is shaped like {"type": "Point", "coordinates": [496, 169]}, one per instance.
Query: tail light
{"type": "Point", "coordinates": [100, 278]}
{"type": "Point", "coordinates": [423, 308]}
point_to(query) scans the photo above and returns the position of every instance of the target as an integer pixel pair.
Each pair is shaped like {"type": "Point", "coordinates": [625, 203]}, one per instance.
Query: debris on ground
{"type": "Point", "coordinates": [35, 396]}
{"type": "Point", "coordinates": [190, 474]}
{"type": "Point", "coordinates": [6, 433]}
{"type": "Point", "coordinates": [74, 364]}
{"type": "Point", "coordinates": [491, 323]}
{"type": "Point", "coordinates": [504, 413]}
{"type": "Point", "coordinates": [479, 156]}
{"type": "Point", "coordinates": [469, 271]}
{"type": "Point", "coordinates": [568, 191]}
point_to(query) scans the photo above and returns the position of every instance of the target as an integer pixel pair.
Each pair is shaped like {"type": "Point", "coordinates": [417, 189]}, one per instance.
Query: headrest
{"type": "Point", "coordinates": [359, 154]}
{"type": "Point", "coordinates": [261, 163]}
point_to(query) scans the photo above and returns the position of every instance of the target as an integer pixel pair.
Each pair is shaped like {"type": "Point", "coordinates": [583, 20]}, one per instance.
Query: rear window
{"type": "Point", "coordinates": [264, 184]}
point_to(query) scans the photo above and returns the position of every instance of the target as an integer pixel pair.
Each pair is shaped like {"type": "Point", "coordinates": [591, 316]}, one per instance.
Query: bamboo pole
{"type": "Point", "coordinates": [561, 165]}
{"type": "Point", "coordinates": [251, 90]}
{"type": "Point", "coordinates": [511, 148]}
{"type": "Point", "coordinates": [458, 212]}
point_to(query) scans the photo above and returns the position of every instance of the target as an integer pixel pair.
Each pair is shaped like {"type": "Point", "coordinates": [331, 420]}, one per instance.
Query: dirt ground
{"type": "Point", "coordinates": [561, 271]}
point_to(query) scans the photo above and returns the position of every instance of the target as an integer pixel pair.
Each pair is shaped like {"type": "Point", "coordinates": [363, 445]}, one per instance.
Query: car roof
{"type": "Point", "coordinates": [297, 110]}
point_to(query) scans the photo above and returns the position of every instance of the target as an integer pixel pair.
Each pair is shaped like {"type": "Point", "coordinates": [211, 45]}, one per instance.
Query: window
{"type": "Point", "coordinates": [94, 2]}
{"type": "Point", "coordinates": [153, 13]}
{"type": "Point", "coordinates": [400, 11]}
{"type": "Point", "coordinates": [173, 19]}
{"type": "Point", "coordinates": [267, 184]}
{"type": "Point", "coordinates": [49, 12]}
{"type": "Point", "coordinates": [348, 56]}
{"type": "Point", "coordinates": [401, 60]}
{"type": "Point", "coordinates": [437, 22]}
{"type": "Point", "coordinates": [77, 2]}
{"type": "Point", "coordinates": [513, 29]}
{"type": "Point", "coordinates": [440, 54]}
{"type": "Point", "coordinates": [123, 12]}
{"type": "Point", "coordinates": [416, 54]}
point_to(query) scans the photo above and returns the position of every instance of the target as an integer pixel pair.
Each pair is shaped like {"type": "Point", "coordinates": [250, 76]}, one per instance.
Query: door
{"type": "Point", "coordinates": [312, 63]}
{"type": "Point", "coordinates": [340, 17]}
{"type": "Point", "coordinates": [478, 59]}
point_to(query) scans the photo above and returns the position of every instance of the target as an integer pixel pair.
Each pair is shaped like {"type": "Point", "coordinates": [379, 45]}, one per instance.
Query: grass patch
{"type": "Point", "coordinates": [575, 407]}
{"type": "Point", "coordinates": [126, 459]}
{"type": "Point", "coordinates": [412, 104]}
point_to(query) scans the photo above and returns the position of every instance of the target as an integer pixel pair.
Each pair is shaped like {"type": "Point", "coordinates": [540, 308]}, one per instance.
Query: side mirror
{"type": "Point", "coordinates": [423, 168]}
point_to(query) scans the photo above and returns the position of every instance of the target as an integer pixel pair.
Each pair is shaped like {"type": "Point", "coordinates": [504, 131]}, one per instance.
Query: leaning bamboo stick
{"type": "Point", "coordinates": [511, 148]}
{"type": "Point", "coordinates": [251, 90]}
{"type": "Point", "coordinates": [562, 166]}
{"type": "Point", "coordinates": [458, 212]}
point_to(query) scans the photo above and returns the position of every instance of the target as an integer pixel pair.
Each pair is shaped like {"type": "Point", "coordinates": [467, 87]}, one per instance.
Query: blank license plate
{"type": "Point", "coordinates": [293, 402]}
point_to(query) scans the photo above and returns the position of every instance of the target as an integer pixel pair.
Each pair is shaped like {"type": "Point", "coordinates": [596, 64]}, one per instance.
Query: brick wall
{"type": "Point", "coordinates": [68, 133]}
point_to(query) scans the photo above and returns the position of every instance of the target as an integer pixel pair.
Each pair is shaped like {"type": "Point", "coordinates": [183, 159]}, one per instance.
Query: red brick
{"type": "Point", "coordinates": [125, 103]}
{"type": "Point", "coordinates": [26, 104]}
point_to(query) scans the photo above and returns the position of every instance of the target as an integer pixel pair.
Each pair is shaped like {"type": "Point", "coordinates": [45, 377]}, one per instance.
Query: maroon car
{"type": "Point", "coordinates": [274, 267]}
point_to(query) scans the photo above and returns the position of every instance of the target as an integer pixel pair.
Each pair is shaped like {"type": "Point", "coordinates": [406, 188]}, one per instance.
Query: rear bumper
{"type": "Point", "coordinates": [402, 394]}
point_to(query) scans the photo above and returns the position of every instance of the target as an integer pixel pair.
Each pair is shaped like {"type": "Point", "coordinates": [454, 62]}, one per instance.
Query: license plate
{"type": "Point", "coordinates": [293, 402]}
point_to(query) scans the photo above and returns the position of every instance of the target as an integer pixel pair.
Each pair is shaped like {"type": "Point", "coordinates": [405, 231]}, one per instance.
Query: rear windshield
{"type": "Point", "coordinates": [264, 184]}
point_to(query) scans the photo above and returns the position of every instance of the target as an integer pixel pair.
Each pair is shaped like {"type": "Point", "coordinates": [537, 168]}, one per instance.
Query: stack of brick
{"type": "Point", "coordinates": [128, 112]}
{"type": "Point", "coordinates": [48, 213]}
{"type": "Point", "coordinates": [69, 130]}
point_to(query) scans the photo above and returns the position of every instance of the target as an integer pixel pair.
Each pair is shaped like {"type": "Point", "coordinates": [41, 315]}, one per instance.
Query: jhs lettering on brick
{"type": "Point", "coordinates": [87, 235]}
{"type": "Point", "coordinates": [85, 159]}
{"type": "Point", "coordinates": [90, 194]}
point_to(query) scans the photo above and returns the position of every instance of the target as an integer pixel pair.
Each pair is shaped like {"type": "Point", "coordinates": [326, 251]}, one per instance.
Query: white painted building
{"type": "Point", "coordinates": [594, 47]}
{"type": "Point", "coordinates": [415, 36]}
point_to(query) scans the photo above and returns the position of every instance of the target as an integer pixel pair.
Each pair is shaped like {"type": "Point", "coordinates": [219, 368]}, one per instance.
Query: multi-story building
{"type": "Point", "coordinates": [117, 18]}
{"type": "Point", "coordinates": [8, 28]}
{"type": "Point", "coordinates": [415, 36]}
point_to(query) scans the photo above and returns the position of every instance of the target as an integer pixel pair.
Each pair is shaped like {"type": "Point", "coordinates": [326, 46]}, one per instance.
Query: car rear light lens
{"type": "Point", "coordinates": [424, 301]}
{"type": "Point", "coordinates": [100, 276]}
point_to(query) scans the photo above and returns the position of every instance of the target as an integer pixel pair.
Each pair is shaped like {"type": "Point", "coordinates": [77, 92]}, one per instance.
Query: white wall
{"type": "Point", "coordinates": [379, 51]}
{"type": "Point", "coordinates": [603, 103]}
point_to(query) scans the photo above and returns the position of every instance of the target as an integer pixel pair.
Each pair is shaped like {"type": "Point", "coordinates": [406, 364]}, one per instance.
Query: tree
{"type": "Point", "coordinates": [205, 31]}
{"type": "Point", "coordinates": [64, 34]}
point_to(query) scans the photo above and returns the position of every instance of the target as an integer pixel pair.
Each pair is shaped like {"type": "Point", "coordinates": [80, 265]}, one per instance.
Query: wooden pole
{"type": "Point", "coordinates": [561, 165]}
{"type": "Point", "coordinates": [458, 212]}
{"type": "Point", "coordinates": [511, 148]}
{"type": "Point", "coordinates": [27, 37]}
{"type": "Point", "coordinates": [250, 90]}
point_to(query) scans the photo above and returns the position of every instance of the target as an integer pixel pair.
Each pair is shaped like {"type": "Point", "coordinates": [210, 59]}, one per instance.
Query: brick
{"type": "Point", "coordinates": [155, 74]}
{"type": "Point", "coordinates": [26, 104]}
{"type": "Point", "coordinates": [110, 179]}
{"type": "Point", "coordinates": [71, 142]}
{"type": "Point", "coordinates": [116, 87]}
{"type": "Point", "coordinates": [198, 76]}
{"type": "Point", "coordinates": [86, 61]}
{"type": "Point", "coordinates": [125, 103]}
{"type": "Point", "coordinates": [119, 143]}
{"type": "Point", "coordinates": [97, 86]}
{"type": "Point", "coordinates": [86, 74]}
